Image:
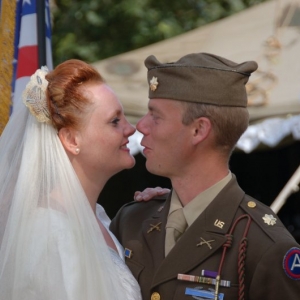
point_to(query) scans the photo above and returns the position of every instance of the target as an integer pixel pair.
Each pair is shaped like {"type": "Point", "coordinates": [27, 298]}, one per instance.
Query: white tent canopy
{"type": "Point", "coordinates": [268, 33]}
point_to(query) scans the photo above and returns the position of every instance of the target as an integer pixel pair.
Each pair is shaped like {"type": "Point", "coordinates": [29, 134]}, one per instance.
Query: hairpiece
{"type": "Point", "coordinates": [34, 95]}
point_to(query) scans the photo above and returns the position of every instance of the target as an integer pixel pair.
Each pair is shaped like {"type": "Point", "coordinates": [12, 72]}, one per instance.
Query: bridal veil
{"type": "Point", "coordinates": [51, 246]}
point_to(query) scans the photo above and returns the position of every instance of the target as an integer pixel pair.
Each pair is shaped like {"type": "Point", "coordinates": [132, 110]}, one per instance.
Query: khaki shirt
{"type": "Point", "coordinates": [195, 208]}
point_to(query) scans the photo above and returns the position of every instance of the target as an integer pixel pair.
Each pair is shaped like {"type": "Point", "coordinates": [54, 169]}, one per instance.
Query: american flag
{"type": "Point", "coordinates": [26, 45]}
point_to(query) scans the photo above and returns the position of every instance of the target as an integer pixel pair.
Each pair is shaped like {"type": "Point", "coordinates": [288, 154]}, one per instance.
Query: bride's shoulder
{"type": "Point", "coordinates": [102, 215]}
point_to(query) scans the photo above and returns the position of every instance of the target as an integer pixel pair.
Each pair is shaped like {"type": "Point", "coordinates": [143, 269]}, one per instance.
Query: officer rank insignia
{"type": "Point", "coordinates": [153, 84]}
{"type": "Point", "coordinates": [269, 219]}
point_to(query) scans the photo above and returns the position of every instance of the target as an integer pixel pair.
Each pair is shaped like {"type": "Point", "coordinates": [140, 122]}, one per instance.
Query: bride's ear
{"type": "Point", "coordinates": [69, 139]}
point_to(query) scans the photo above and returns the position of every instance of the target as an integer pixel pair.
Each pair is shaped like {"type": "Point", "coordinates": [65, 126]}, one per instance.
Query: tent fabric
{"type": "Point", "coordinates": [268, 33]}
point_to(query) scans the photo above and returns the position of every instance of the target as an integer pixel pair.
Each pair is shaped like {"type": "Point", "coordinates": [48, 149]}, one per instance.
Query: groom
{"type": "Point", "coordinates": [208, 239]}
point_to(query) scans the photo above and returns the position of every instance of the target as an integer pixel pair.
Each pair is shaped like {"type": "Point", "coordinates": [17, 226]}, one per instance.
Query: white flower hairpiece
{"type": "Point", "coordinates": [34, 95]}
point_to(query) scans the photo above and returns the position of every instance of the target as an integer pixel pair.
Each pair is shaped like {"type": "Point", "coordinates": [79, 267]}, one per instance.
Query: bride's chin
{"type": "Point", "coordinates": [131, 162]}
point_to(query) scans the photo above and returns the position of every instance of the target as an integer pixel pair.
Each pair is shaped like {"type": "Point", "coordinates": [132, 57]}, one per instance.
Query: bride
{"type": "Point", "coordinates": [56, 154]}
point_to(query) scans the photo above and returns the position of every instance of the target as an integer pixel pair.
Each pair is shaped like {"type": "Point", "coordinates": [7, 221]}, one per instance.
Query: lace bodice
{"type": "Point", "coordinates": [131, 289]}
{"type": "Point", "coordinates": [129, 284]}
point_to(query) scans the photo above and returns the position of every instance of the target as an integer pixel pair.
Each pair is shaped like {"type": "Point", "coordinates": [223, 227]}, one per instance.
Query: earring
{"type": "Point", "coordinates": [77, 150]}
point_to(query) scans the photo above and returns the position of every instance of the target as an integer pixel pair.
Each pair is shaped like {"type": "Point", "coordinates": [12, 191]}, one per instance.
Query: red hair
{"type": "Point", "coordinates": [65, 94]}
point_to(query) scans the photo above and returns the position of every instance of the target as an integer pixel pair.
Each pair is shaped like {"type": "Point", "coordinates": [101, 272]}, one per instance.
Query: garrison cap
{"type": "Point", "coordinates": [200, 77]}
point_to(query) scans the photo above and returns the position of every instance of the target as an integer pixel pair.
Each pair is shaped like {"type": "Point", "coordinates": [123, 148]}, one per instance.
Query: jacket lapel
{"type": "Point", "coordinates": [212, 225]}
{"type": "Point", "coordinates": [154, 231]}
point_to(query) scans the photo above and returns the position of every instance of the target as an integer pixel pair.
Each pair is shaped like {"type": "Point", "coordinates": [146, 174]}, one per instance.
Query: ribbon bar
{"type": "Point", "coordinates": [201, 279]}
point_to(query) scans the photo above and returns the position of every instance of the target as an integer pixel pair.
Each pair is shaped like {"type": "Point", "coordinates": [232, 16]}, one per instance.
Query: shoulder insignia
{"type": "Point", "coordinates": [269, 219]}
{"type": "Point", "coordinates": [291, 263]}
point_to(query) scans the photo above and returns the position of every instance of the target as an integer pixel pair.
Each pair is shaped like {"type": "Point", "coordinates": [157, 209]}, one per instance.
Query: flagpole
{"type": "Point", "coordinates": [41, 33]}
{"type": "Point", "coordinates": [7, 36]}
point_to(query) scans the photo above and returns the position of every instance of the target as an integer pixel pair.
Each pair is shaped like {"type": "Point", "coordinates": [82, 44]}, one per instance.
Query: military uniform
{"type": "Point", "coordinates": [272, 259]}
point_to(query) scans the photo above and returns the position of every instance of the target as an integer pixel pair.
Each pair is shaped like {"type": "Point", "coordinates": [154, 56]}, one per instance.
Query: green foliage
{"type": "Point", "coordinates": [95, 29]}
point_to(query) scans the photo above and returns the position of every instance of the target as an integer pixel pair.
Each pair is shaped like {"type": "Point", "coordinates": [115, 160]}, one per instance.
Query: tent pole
{"type": "Point", "coordinates": [292, 186]}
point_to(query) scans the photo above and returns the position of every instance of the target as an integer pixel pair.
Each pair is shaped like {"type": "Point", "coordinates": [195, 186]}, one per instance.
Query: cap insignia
{"type": "Point", "coordinates": [269, 219]}
{"type": "Point", "coordinates": [153, 84]}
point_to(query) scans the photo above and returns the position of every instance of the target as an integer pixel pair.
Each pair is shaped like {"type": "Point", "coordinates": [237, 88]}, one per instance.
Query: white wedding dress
{"type": "Point", "coordinates": [65, 261]}
{"type": "Point", "coordinates": [130, 285]}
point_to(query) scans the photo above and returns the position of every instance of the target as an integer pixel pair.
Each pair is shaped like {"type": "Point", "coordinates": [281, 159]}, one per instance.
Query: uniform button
{"type": "Point", "coordinates": [155, 296]}
{"type": "Point", "coordinates": [251, 204]}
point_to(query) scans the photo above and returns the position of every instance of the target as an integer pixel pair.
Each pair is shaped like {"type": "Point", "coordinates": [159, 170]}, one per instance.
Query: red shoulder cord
{"type": "Point", "coordinates": [241, 258]}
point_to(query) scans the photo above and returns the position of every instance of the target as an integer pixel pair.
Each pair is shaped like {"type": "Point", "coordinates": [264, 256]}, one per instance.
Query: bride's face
{"type": "Point", "coordinates": [104, 134]}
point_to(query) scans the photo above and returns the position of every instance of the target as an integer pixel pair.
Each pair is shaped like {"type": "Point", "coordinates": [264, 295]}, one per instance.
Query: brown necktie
{"type": "Point", "coordinates": [176, 225]}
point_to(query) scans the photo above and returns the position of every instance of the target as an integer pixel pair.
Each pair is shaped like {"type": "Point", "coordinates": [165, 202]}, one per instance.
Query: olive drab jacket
{"type": "Point", "coordinates": [266, 255]}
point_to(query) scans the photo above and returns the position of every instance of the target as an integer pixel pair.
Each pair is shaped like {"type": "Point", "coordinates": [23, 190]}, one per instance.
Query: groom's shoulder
{"type": "Point", "coordinates": [142, 205]}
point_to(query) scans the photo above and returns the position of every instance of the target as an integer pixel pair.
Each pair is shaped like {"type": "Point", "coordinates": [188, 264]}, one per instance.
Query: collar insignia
{"type": "Point", "coordinates": [204, 242]}
{"type": "Point", "coordinates": [219, 223]}
{"type": "Point", "coordinates": [156, 226]}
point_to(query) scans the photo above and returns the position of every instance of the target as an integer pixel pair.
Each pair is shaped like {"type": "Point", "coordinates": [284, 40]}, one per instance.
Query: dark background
{"type": "Point", "coordinates": [262, 174]}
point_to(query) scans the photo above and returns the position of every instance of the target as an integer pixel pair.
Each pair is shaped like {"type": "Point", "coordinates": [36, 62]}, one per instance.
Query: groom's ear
{"type": "Point", "coordinates": [201, 129]}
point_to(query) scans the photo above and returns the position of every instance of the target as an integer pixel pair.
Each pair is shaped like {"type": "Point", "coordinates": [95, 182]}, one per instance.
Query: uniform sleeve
{"type": "Point", "coordinates": [277, 274]}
